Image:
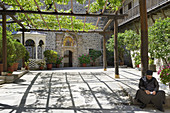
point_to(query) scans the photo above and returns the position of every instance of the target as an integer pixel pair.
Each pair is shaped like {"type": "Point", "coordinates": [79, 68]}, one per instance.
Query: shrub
{"type": "Point", "coordinates": [84, 59]}
{"type": "Point", "coordinates": [51, 56]}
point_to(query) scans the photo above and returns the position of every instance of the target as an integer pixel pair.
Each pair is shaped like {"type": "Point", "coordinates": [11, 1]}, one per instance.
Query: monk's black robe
{"type": "Point", "coordinates": [152, 85]}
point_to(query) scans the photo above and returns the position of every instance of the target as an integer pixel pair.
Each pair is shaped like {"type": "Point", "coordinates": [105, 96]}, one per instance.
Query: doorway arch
{"type": "Point", "coordinates": [68, 58]}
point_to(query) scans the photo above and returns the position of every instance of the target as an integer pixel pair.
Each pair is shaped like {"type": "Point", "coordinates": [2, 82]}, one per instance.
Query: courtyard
{"type": "Point", "coordinates": [74, 90]}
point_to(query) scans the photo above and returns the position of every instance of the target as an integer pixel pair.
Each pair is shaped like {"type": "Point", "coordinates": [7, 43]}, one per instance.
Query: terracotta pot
{"type": "Point", "coordinates": [137, 66]}
{"type": "Point", "coordinates": [15, 65]}
{"type": "Point", "coordinates": [57, 65]}
{"type": "Point", "coordinates": [49, 66]}
{"type": "Point", "coordinates": [121, 63]}
{"type": "Point", "coordinates": [26, 67]}
{"type": "Point", "coordinates": [9, 74]}
{"type": "Point", "coordinates": [1, 68]}
{"type": "Point", "coordinates": [11, 68]}
{"type": "Point", "coordinates": [41, 67]}
{"type": "Point", "coordinates": [84, 64]}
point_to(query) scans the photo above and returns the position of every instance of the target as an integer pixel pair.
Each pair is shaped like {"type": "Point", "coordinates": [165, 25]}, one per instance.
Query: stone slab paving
{"type": "Point", "coordinates": [72, 90]}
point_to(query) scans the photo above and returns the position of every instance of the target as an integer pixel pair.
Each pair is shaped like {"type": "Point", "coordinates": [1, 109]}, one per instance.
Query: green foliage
{"type": "Point", "coordinates": [84, 59]}
{"type": "Point", "coordinates": [121, 45]}
{"type": "Point", "coordinates": [10, 48]}
{"type": "Point", "coordinates": [99, 4]}
{"type": "Point", "coordinates": [151, 61]}
{"type": "Point", "coordinates": [26, 56]}
{"type": "Point", "coordinates": [59, 59]}
{"type": "Point", "coordinates": [137, 58]}
{"type": "Point", "coordinates": [132, 40]}
{"type": "Point", "coordinates": [51, 56]}
{"type": "Point", "coordinates": [51, 21]}
{"type": "Point", "coordinates": [20, 50]}
{"type": "Point", "coordinates": [159, 39]}
{"type": "Point", "coordinates": [94, 54]}
{"type": "Point", "coordinates": [164, 74]}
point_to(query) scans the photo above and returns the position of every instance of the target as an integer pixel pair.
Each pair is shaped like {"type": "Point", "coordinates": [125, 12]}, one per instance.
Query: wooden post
{"type": "Point", "coordinates": [116, 60]}
{"type": "Point", "coordinates": [23, 42]}
{"type": "Point", "coordinates": [144, 36]}
{"type": "Point", "coordinates": [104, 53]}
{"type": "Point", "coordinates": [4, 43]}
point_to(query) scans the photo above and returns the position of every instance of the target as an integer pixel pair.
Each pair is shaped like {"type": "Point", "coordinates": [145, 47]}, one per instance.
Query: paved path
{"type": "Point", "coordinates": [72, 90]}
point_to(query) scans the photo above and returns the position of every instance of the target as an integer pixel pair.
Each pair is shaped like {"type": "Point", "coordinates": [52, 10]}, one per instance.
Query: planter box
{"type": "Point", "coordinates": [152, 67]}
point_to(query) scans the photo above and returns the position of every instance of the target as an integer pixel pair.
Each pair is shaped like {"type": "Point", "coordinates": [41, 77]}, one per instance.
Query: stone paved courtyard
{"type": "Point", "coordinates": [71, 91]}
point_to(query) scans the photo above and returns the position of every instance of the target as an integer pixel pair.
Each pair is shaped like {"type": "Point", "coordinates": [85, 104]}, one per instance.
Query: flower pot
{"type": "Point", "coordinates": [92, 63]}
{"type": "Point", "coordinates": [57, 65]}
{"type": "Point", "coordinates": [27, 67]}
{"type": "Point", "coordinates": [49, 66]}
{"type": "Point", "coordinates": [11, 69]}
{"type": "Point", "coordinates": [41, 67]}
{"type": "Point", "coordinates": [121, 63]}
{"type": "Point", "coordinates": [1, 68]}
{"type": "Point", "coordinates": [15, 65]}
{"type": "Point", "coordinates": [137, 66]}
{"type": "Point", "coordinates": [9, 74]}
{"type": "Point", "coordinates": [152, 67]}
{"type": "Point", "coordinates": [84, 64]}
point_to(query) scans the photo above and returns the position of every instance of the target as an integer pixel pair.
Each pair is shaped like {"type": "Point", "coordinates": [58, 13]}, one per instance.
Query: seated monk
{"type": "Point", "coordinates": [149, 92]}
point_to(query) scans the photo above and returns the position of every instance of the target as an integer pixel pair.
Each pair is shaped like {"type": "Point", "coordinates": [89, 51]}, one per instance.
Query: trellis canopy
{"type": "Point", "coordinates": [43, 15]}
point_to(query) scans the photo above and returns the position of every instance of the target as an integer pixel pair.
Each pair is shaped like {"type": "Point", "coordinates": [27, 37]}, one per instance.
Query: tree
{"type": "Point", "coordinates": [159, 39]}
{"type": "Point", "coordinates": [133, 42]}
{"type": "Point", "coordinates": [121, 45]}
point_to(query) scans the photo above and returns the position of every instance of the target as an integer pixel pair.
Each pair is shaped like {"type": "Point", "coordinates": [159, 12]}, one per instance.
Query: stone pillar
{"type": "Point", "coordinates": [43, 49]}
{"type": "Point", "coordinates": [36, 51]}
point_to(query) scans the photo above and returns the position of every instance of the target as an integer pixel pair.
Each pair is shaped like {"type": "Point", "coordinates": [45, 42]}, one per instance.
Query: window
{"type": "Point", "coordinates": [121, 11]}
{"type": "Point", "coordinates": [130, 5]}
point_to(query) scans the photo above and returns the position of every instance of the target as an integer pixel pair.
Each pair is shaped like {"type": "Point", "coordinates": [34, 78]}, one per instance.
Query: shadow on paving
{"type": "Point", "coordinates": [57, 91]}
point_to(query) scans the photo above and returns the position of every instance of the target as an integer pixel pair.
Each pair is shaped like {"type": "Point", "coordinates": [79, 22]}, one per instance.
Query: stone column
{"type": "Point", "coordinates": [43, 49]}
{"type": "Point", "coordinates": [36, 51]}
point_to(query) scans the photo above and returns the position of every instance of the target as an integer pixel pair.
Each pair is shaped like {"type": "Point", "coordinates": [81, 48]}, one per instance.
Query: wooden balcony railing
{"type": "Point", "coordinates": [134, 11]}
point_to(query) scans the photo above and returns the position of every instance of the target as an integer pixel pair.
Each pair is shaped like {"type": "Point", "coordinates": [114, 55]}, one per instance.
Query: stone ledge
{"type": "Point", "coordinates": [12, 78]}
{"type": "Point", "coordinates": [132, 92]}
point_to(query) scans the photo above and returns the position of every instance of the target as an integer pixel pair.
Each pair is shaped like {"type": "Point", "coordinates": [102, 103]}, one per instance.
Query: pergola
{"type": "Point", "coordinates": [111, 17]}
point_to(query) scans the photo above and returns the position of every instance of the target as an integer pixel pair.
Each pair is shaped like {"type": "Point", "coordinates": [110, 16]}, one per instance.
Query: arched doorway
{"type": "Point", "coordinates": [30, 46]}
{"type": "Point", "coordinates": [68, 58]}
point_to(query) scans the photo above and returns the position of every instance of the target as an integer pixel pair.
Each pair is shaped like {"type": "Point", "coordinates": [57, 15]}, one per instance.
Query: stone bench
{"type": "Point", "coordinates": [12, 78]}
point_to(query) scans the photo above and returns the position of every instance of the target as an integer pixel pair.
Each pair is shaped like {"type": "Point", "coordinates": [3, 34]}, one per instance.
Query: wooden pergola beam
{"type": "Point", "coordinates": [107, 24]}
{"type": "Point", "coordinates": [101, 13]}
{"type": "Point", "coordinates": [91, 31]}
{"type": "Point", "coordinates": [11, 21]}
{"type": "Point", "coordinates": [12, 16]}
{"type": "Point", "coordinates": [40, 14]}
{"type": "Point", "coordinates": [113, 16]}
{"type": "Point", "coordinates": [57, 15]}
{"type": "Point", "coordinates": [110, 20]}
{"type": "Point", "coordinates": [25, 14]}
{"type": "Point", "coordinates": [86, 13]}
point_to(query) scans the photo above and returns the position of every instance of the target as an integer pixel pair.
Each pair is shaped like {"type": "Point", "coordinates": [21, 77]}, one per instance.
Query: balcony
{"type": "Point", "coordinates": [134, 12]}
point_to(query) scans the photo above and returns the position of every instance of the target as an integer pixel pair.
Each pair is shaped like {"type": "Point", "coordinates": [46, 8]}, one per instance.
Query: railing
{"type": "Point", "coordinates": [134, 11]}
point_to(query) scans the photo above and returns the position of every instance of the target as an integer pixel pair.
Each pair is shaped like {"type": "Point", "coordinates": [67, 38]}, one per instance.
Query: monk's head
{"type": "Point", "coordinates": [149, 74]}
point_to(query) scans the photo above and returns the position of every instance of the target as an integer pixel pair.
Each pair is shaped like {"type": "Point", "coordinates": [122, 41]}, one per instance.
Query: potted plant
{"type": "Point", "coordinates": [41, 64]}
{"type": "Point", "coordinates": [51, 57]}
{"type": "Point", "coordinates": [164, 73]}
{"type": "Point", "coordinates": [84, 59]}
{"type": "Point", "coordinates": [137, 59]}
{"type": "Point", "coordinates": [19, 53]}
{"type": "Point", "coordinates": [9, 73]}
{"type": "Point", "coordinates": [26, 59]}
{"type": "Point", "coordinates": [58, 61]}
{"type": "Point", "coordinates": [94, 54]}
{"type": "Point", "coordinates": [152, 66]}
